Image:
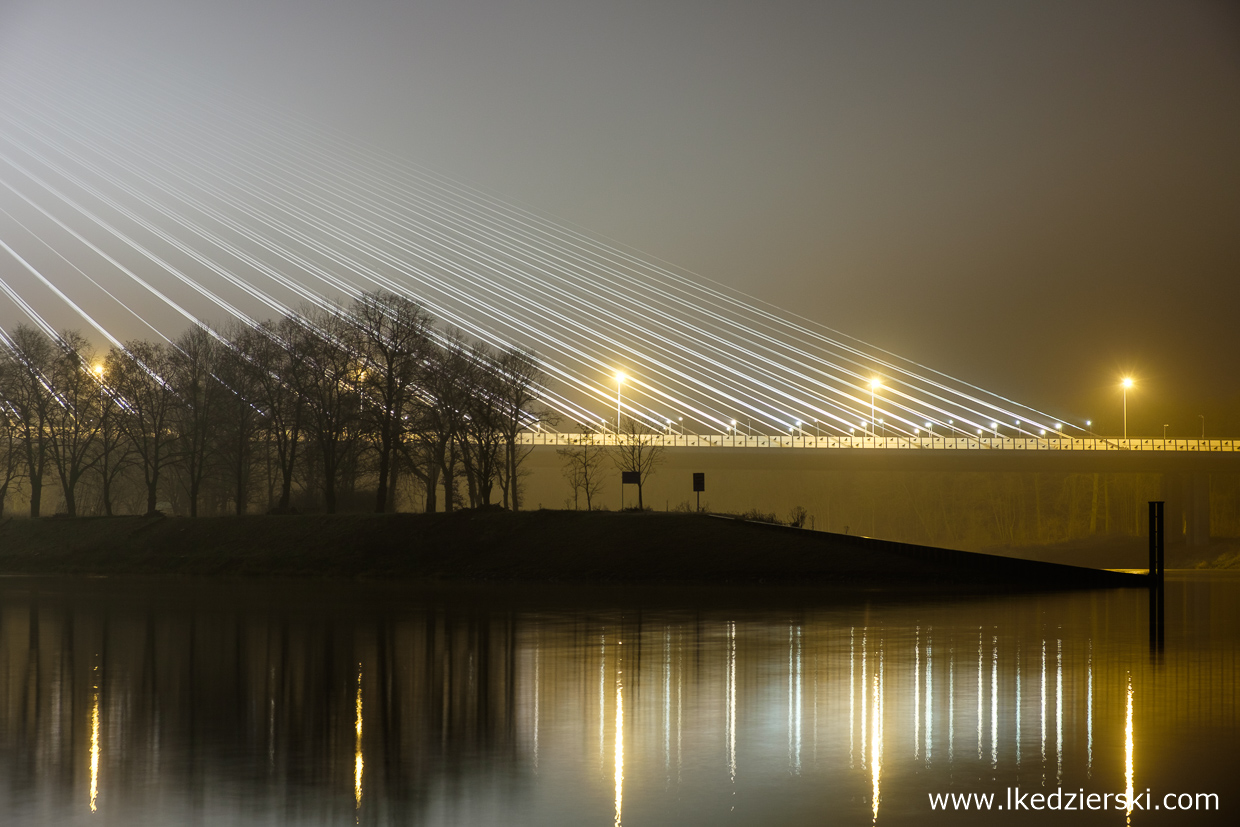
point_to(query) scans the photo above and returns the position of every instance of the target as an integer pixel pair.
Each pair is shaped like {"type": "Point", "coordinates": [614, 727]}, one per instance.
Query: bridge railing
{"type": "Point", "coordinates": [937, 443]}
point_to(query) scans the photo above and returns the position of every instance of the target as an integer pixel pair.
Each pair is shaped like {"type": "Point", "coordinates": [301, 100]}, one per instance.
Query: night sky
{"type": "Point", "coordinates": [1035, 197]}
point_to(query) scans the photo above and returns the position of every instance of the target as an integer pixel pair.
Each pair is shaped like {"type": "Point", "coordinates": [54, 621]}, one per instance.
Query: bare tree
{"type": "Point", "coordinates": [482, 433]}
{"type": "Point", "coordinates": [139, 375]}
{"type": "Point", "coordinates": [74, 421]}
{"type": "Point", "coordinates": [519, 382]}
{"type": "Point", "coordinates": [194, 360]}
{"type": "Point", "coordinates": [241, 419]}
{"type": "Point", "coordinates": [392, 337]}
{"type": "Point", "coordinates": [115, 449]}
{"type": "Point", "coordinates": [636, 451]}
{"type": "Point", "coordinates": [583, 468]}
{"type": "Point", "coordinates": [275, 354]}
{"type": "Point", "coordinates": [25, 382]}
{"type": "Point", "coordinates": [10, 452]}
{"type": "Point", "coordinates": [448, 381]}
{"type": "Point", "coordinates": [330, 386]}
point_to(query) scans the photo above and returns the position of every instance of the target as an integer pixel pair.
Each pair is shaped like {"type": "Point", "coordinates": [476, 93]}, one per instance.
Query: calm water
{"type": "Point", "coordinates": [125, 703]}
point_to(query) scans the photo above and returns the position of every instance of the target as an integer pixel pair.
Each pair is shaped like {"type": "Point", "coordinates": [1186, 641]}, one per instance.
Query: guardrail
{"type": "Point", "coordinates": [886, 443]}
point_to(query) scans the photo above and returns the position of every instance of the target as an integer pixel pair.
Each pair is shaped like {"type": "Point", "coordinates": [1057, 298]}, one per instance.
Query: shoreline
{"type": "Point", "coordinates": [524, 547]}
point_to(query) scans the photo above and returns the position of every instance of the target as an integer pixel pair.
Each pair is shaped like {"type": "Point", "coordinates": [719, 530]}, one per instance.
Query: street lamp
{"type": "Point", "coordinates": [620, 377]}
{"type": "Point", "coordinates": [874, 383]}
{"type": "Point", "coordinates": [1202, 417]}
{"type": "Point", "coordinates": [1164, 433]}
{"type": "Point", "coordinates": [1127, 383]}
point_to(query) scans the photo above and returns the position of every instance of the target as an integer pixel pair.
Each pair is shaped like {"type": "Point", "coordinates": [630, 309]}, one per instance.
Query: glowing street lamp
{"type": "Point", "coordinates": [874, 386]}
{"type": "Point", "coordinates": [620, 377]}
{"type": "Point", "coordinates": [1127, 383]}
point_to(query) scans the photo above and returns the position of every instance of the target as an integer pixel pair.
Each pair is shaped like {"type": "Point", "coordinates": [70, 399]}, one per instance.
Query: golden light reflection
{"type": "Point", "coordinates": [1058, 711]}
{"type": "Point", "coordinates": [852, 691]}
{"type": "Point", "coordinates": [602, 698]}
{"type": "Point", "coordinates": [864, 683]}
{"type": "Point", "coordinates": [1018, 708]}
{"type": "Point", "coordinates": [951, 705]}
{"type": "Point", "coordinates": [667, 703]}
{"type": "Point", "coordinates": [1042, 712]}
{"type": "Point", "coordinates": [94, 742]}
{"type": "Point", "coordinates": [358, 763]}
{"type": "Point", "coordinates": [981, 694]}
{"type": "Point", "coordinates": [1089, 716]}
{"type": "Point", "coordinates": [1128, 751]}
{"type": "Point", "coordinates": [619, 745]}
{"type": "Point", "coordinates": [731, 704]}
{"type": "Point", "coordinates": [794, 699]}
{"type": "Point", "coordinates": [537, 683]}
{"type": "Point", "coordinates": [994, 703]}
{"type": "Point", "coordinates": [876, 737]}
{"type": "Point", "coordinates": [929, 697]}
{"type": "Point", "coordinates": [916, 691]}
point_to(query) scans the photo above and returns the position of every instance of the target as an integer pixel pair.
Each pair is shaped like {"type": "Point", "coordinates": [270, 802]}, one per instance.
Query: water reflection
{"type": "Point", "coordinates": [219, 705]}
{"type": "Point", "coordinates": [94, 742]}
{"type": "Point", "coordinates": [1128, 751]}
{"type": "Point", "coordinates": [358, 762]}
{"type": "Point", "coordinates": [619, 760]}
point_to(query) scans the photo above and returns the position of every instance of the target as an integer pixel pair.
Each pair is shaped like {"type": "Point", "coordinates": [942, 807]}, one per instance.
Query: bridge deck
{"type": "Point", "coordinates": [936, 443]}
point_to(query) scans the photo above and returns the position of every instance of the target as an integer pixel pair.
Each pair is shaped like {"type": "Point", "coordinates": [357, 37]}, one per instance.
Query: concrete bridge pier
{"type": "Point", "coordinates": [1187, 497]}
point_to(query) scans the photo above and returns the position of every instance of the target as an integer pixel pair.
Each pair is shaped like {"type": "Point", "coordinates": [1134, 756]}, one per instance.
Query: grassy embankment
{"type": "Point", "coordinates": [500, 546]}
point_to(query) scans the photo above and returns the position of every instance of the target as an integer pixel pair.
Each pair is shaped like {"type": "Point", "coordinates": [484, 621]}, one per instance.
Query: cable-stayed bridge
{"type": "Point", "coordinates": [132, 209]}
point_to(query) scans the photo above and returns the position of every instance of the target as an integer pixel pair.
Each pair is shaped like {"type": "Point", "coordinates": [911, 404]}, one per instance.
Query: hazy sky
{"type": "Point", "coordinates": [1033, 196]}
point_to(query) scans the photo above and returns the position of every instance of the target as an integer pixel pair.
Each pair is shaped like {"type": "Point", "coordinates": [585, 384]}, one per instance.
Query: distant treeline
{"type": "Point", "coordinates": [316, 409]}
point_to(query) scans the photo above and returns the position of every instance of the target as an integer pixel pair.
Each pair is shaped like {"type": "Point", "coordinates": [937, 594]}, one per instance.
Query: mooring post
{"type": "Point", "coordinates": [1157, 551]}
{"type": "Point", "coordinates": [1157, 546]}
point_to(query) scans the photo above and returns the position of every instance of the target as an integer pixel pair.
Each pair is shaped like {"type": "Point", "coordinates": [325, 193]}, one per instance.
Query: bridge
{"type": "Point", "coordinates": [848, 443]}
{"type": "Point", "coordinates": [133, 207]}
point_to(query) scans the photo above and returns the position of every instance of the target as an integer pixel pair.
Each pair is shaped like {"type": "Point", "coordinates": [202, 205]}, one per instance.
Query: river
{"type": "Point", "coordinates": [248, 702]}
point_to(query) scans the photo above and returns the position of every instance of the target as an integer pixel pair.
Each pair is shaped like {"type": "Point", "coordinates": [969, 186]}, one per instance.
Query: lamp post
{"type": "Point", "coordinates": [1127, 383]}
{"type": "Point", "coordinates": [620, 377]}
{"type": "Point", "coordinates": [1202, 417]}
{"type": "Point", "coordinates": [1164, 433]}
{"type": "Point", "coordinates": [874, 383]}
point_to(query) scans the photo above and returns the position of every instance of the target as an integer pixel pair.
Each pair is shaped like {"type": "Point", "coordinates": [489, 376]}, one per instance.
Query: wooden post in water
{"type": "Point", "coordinates": [1156, 569]}
{"type": "Point", "coordinates": [1157, 545]}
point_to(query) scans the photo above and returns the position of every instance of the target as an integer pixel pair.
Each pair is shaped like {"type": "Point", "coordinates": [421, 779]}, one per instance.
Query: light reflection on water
{"type": "Point", "coordinates": [244, 704]}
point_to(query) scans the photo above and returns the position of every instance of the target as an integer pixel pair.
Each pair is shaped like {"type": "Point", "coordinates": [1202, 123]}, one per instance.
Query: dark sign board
{"type": "Point", "coordinates": [699, 482]}
{"type": "Point", "coordinates": [630, 477]}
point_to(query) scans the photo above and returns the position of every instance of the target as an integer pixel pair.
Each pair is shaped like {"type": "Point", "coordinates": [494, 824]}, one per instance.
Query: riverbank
{"type": "Point", "coordinates": [534, 546]}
